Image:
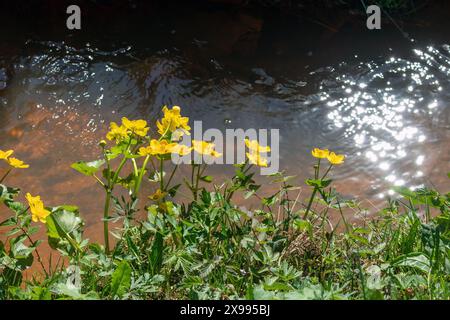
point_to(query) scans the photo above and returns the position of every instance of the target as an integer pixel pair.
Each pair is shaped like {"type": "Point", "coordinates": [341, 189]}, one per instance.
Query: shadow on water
{"type": "Point", "coordinates": [379, 97]}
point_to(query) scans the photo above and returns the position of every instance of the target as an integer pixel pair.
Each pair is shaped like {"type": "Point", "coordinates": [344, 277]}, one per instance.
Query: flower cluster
{"type": "Point", "coordinates": [254, 156]}
{"type": "Point", "coordinates": [127, 129]}
{"type": "Point", "coordinates": [173, 121]}
{"type": "Point", "coordinates": [170, 128]}
{"type": "Point", "coordinates": [332, 157]}
{"type": "Point", "coordinates": [13, 162]}
{"type": "Point", "coordinates": [205, 148]}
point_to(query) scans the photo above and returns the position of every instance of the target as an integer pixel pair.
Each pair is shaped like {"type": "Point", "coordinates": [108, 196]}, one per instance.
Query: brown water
{"type": "Point", "coordinates": [380, 98]}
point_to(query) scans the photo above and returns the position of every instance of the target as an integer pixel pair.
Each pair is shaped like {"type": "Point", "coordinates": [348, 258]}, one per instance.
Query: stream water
{"type": "Point", "coordinates": [383, 99]}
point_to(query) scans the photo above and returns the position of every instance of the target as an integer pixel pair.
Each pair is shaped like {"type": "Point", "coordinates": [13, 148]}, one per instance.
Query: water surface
{"type": "Point", "coordinates": [382, 99]}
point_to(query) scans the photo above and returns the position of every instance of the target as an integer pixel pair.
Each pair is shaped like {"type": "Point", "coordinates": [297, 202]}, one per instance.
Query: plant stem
{"type": "Point", "coordinates": [5, 175]}
{"type": "Point", "coordinates": [310, 203]}
{"type": "Point", "coordinates": [161, 174]}
{"type": "Point", "coordinates": [141, 175]}
{"type": "Point", "coordinates": [171, 176]}
{"type": "Point", "coordinates": [326, 172]}
{"type": "Point", "coordinates": [109, 190]}
{"type": "Point", "coordinates": [106, 221]}
{"type": "Point", "coordinates": [37, 251]}
{"type": "Point", "coordinates": [317, 170]}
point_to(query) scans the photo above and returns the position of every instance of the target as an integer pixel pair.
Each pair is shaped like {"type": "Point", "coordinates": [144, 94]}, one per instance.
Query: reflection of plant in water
{"type": "Point", "coordinates": [210, 248]}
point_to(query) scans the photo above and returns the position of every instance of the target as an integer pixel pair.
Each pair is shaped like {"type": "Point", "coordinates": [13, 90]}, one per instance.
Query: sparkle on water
{"type": "Point", "coordinates": [376, 113]}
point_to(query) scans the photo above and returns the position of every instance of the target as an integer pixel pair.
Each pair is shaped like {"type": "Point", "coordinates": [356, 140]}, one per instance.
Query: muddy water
{"type": "Point", "coordinates": [383, 99]}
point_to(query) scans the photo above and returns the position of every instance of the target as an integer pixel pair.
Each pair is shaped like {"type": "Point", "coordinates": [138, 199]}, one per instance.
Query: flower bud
{"type": "Point", "coordinates": [102, 143]}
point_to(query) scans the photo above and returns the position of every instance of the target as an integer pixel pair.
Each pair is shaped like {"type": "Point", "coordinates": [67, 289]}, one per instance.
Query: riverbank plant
{"type": "Point", "coordinates": [158, 247]}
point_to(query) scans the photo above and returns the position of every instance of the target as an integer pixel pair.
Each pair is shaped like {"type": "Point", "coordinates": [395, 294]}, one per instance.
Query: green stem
{"type": "Point", "coordinates": [161, 174]}
{"type": "Point", "coordinates": [316, 173]}
{"type": "Point", "coordinates": [310, 203]}
{"type": "Point", "coordinates": [99, 181]}
{"type": "Point", "coordinates": [197, 180]}
{"type": "Point", "coordinates": [171, 176]}
{"type": "Point", "coordinates": [5, 175]}
{"type": "Point", "coordinates": [326, 172]}
{"type": "Point", "coordinates": [106, 221]}
{"type": "Point", "coordinates": [109, 190]}
{"type": "Point", "coordinates": [141, 176]}
{"type": "Point", "coordinates": [36, 249]}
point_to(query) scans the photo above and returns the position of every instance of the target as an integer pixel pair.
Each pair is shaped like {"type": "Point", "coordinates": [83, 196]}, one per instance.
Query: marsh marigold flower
{"type": "Point", "coordinates": [5, 154]}
{"type": "Point", "coordinates": [181, 149]}
{"type": "Point", "coordinates": [335, 158]}
{"type": "Point", "coordinates": [157, 147]}
{"type": "Point", "coordinates": [256, 159]}
{"type": "Point", "coordinates": [38, 212]}
{"type": "Point", "coordinates": [172, 121]}
{"type": "Point", "coordinates": [138, 127]}
{"type": "Point", "coordinates": [205, 148]}
{"type": "Point", "coordinates": [16, 163]}
{"type": "Point", "coordinates": [319, 153]}
{"type": "Point", "coordinates": [254, 146]}
{"type": "Point", "coordinates": [158, 195]}
{"type": "Point", "coordinates": [117, 132]}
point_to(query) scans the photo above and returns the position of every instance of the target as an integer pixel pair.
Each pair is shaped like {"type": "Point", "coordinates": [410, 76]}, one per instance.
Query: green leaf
{"type": "Point", "coordinates": [88, 168]}
{"type": "Point", "coordinates": [7, 193]}
{"type": "Point", "coordinates": [156, 255]}
{"type": "Point", "coordinates": [8, 222]}
{"type": "Point", "coordinates": [415, 260]}
{"type": "Point", "coordinates": [318, 183]}
{"type": "Point", "coordinates": [63, 227]}
{"type": "Point", "coordinates": [405, 192]}
{"type": "Point", "coordinates": [207, 179]}
{"type": "Point", "coordinates": [303, 225]}
{"type": "Point", "coordinates": [121, 279]}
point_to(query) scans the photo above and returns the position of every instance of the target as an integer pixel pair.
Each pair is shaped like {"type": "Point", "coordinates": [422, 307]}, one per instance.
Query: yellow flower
{"type": "Point", "coordinates": [158, 195]}
{"type": "Point", "coordinates": [138, 127]}
{"type": "Point", "coordinates": [181, 149]}
{"type": "Point", "coordinates": [255, 158]}
{"type": "Point", "coordinates": [319, 153]}
{"type": "Point", "coordinates": [5, 154]}
{"type": "Point", "coordinates": [254, 146]}
{"type": "Point", "coordinates": [335, 158]}
{"type": "Point", "coordinates": [16, 163]}
{"type": "Point", "coordinates": [157, 147]}
{"type": "Point", "coordinates": [38, 212]}
{"type": "Point", "coordinates": [116, 132]}
{"type": "Point", "coordinates": [205, 148]}
{"type": "Point", "coordinates": [215, 154]}
{"type": "Point", "coordinates": [172, 121]}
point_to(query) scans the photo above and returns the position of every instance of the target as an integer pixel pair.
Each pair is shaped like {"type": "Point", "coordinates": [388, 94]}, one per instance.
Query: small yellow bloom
{"type": "Point", "coordinates": [16, 163]}
{"type": "Point", "coordinates": [5, 154]}
{"type": "Point", "coordinates": [116, 132]}
{"type": "Point", "coordinates": [205, 148]}
{"type": "Point", "coordinates": [319, 153]}
{"type": "Point", "coordinates": [172, 121]}
{"type": "Point", "coordinates": [181, 149]}
{"type": "Point", "coordinates": [157, 147]}
{"type": "Point", "coordinates": [38, 212]}
{"type": "Point", "coordinates": [256, 159]}
{"type": "Point", "coordinates": [158, 195]}
{"type": "Point", "coordinates": [254, 146]}
{"type": "Point", "coordinates": [335, 158]}
{"type": "Point", "coordinates": [215, 154]}
{"type": "Point", "coordinates": [138, 127]}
